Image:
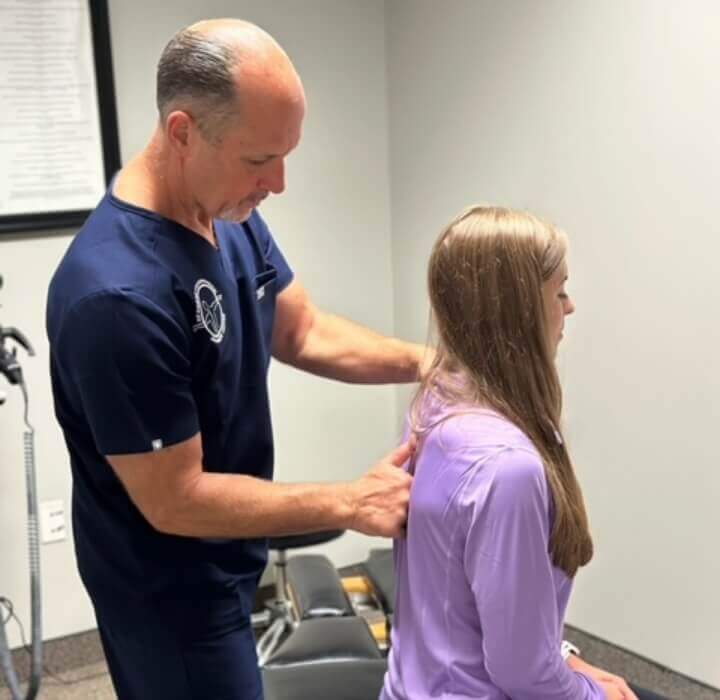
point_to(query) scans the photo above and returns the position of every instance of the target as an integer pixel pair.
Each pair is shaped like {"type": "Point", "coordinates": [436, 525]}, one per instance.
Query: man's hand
{"type": "Point", "coordinates": [614, 686]}
{"type": "Point", "coordinates": [379, 499]}
{"type": "Point", "coordinates": [425, 360]}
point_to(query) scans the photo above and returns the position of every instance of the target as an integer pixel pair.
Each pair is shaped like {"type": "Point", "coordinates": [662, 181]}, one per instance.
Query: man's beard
{"type": "Point", "coordinates": [237, 214]}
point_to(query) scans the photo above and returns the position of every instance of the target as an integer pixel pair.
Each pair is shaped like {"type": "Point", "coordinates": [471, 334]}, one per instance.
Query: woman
{"type": "Point", "coordinates": [497, 527]}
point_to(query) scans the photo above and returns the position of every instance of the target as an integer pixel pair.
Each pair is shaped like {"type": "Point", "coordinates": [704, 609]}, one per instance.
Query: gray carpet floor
{"type": "Point", "coordinates": [639, 671]}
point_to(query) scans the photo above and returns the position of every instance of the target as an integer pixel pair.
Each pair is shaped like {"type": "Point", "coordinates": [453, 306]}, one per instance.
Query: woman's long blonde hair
{"type": "Point", "coordinates": [485, 281]}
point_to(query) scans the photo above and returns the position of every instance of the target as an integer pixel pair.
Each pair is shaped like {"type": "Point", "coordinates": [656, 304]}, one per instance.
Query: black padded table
{"type": "Point", "coordinates": [357, 679]}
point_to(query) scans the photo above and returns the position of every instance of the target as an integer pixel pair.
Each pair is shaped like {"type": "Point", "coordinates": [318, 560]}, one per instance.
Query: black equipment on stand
{"type": "Point", "coordinates": [11, 370]}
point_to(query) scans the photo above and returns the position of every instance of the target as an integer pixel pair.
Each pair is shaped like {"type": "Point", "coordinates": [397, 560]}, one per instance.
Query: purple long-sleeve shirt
{"type": "Point", "coordinates": [480, 606]}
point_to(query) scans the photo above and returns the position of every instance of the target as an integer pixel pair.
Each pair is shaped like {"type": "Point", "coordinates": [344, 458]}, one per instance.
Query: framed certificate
{"type": "Point", "coordinates": [58, 124]}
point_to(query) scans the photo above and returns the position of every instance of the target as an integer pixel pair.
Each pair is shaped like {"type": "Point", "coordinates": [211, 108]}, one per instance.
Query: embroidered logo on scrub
{"type": "Point", "coordinates": [209, 311]}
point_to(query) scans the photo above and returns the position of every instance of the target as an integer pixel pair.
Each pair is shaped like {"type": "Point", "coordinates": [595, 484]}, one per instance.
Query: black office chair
{"type": "Point", "coordinates": [280, 614]}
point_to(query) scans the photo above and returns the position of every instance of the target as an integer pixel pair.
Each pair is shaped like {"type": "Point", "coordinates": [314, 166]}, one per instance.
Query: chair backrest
{"type": "Point", "coordinates": [307, 539]}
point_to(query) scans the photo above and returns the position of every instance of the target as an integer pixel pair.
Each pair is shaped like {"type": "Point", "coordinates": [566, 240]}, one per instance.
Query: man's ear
{"type": "Point", "coordinates": [179, 128]}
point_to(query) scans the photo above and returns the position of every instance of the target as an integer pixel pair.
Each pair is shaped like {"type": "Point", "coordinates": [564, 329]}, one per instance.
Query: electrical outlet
{"type": "Point", "coordinates": [52, 521]}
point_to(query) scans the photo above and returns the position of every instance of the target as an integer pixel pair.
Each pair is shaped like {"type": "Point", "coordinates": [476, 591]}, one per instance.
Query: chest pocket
{"type": "Point", "coordinates": [265, 294]}
{"type": "Point", "coordinates": [257, 296]}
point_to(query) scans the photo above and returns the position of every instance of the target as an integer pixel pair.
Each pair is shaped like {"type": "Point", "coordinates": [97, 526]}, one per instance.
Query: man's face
{"type": "Point", "coordinates": [228, 177]}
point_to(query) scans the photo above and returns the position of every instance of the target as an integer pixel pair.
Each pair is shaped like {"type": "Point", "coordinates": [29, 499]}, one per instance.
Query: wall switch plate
{"type": "Point", "coordinates": [52, 521]}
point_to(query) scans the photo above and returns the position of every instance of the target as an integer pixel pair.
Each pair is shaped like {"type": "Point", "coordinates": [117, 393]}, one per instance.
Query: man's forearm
{"type": "Point", "coordinates": [240, 506]}
{"type": "Point", "coordinates": [340, 349]}
{"type": "Point", "coordinates": [175, 495]}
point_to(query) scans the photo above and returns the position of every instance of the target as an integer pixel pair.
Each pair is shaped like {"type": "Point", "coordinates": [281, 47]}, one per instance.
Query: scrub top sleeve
{"type": "Point", "coordinates": [510, 572]}
{"type": "Point", "coordinates": [272, 251]}
{"type": "Point", "coordinates": [130, 364]}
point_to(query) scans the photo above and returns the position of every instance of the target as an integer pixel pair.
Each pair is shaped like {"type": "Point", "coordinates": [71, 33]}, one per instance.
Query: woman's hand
{"type": "Point", "coordinates": [614, 686]}
{"type": "Point", "coordinates": [612, 692]}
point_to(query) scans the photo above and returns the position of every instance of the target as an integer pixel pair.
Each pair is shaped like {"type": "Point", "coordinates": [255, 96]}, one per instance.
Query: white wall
{"type": "Point", "coordinates": [602, 117]}
{"type": "Point", "coordinates": [27, 265]}
{"type": "Point", "coordinates": [333, 224]}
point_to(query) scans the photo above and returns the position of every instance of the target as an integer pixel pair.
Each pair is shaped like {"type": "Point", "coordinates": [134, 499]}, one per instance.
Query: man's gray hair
{"type": "Point", "coordinates": [196, 74]}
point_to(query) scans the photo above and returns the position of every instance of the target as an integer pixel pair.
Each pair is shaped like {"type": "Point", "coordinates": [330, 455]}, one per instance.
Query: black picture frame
{"type": "Point", "coordinates": [105, 94]}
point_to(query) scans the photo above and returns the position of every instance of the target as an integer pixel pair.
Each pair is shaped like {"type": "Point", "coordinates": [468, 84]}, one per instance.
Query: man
{"type": "Point", "coordinates": [162, 317]}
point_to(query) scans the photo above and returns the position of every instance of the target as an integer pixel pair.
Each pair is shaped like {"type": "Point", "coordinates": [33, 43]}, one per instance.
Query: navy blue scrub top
{"type": "Point", "coordinates": [155, 335]}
